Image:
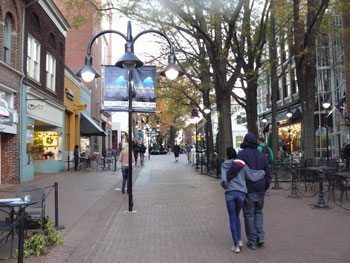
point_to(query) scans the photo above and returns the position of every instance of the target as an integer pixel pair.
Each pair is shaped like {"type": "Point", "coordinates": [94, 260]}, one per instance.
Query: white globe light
{"type": "Point", "coordinates": [87, 76]}
{"type": "Point", "coordinates": [171, 73]}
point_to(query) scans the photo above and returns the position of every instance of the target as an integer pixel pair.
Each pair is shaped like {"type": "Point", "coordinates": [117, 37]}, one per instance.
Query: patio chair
{"type": "Point", "coordinates": [37, 210]}
{"type": "Point", "coordinates": [8, 224]}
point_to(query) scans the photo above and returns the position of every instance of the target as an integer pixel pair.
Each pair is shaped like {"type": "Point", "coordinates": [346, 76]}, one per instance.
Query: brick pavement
{"type": "Point", "coordinates": [181, 217]}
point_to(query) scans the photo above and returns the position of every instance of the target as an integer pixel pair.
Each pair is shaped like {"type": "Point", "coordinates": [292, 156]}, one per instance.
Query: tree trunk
{"type": "Point", "coordinates": [251, 106]}
{"type": "Point", "coordinates": [223, 102]}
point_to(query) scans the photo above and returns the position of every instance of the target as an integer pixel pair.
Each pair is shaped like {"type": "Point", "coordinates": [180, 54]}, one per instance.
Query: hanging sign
{"type": "Point", "coordinates": [116, 97]}
{"type": "Point", "coordinates": [79, 107]}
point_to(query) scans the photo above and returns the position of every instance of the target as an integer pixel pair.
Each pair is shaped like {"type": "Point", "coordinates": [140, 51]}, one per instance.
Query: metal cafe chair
{"type": "Point", "coordinates": [37, 210]}
{"type": "Point", "coordinates": [8, 224]}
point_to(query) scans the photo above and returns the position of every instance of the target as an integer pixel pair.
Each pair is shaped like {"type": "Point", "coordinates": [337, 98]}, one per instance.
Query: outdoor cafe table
{"type": "Point", "coordinates": [321, 175]}
{"type": "Point", "coordinates": [18, 203]}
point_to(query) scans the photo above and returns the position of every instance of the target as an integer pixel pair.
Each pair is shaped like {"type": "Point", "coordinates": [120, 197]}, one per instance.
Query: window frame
{"type": "Point", "coordinates": [50, 69]}
{"type": "Point", "coordinates": [33, 58]}
{"type": "Point", "coordinates": [7, 44]}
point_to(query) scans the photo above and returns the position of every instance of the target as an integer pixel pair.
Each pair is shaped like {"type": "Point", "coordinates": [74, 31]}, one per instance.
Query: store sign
{"type": "Point", "coordinates": [36, 105]}
{"type": "Point", "coordinates": [4, 112]}
{"type": "Point", "coordinates": [69, 94]}
{"type": "Point", "coordinates": [79, 107]}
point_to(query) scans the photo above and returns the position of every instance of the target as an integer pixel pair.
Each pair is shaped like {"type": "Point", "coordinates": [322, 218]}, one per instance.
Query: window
{"type": "Point", "coordinates": [33, 58]}
{"type": "Point", "coordinates": [7, 39]}
{"type": "Point", "coordinates": [50, 72]}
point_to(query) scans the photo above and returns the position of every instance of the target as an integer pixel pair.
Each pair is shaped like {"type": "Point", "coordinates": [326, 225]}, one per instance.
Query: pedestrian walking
{"type": "Point", "coordinates": [124, 160]}
{"type": "Point", "coordinates": [258, 180]}
{"type": "Point", "coordinates": [136, 150]}
{"type": "Point", "coordinates": [235, 194]}
{"type": "Point", "coordinates": [265, 149]}
{"type": "Point", "coordinates": [346, 155]}
{"type": "Point", "coordinates": [188, 152]}
{"type": "Point", "coordinates": [76, 157]}
{"type": "Point", "coordinates": [88, 158]}
{"type": "Point", "coordinates": [176, 152]}
{"type": "Point", "coordinates": [142, 153]}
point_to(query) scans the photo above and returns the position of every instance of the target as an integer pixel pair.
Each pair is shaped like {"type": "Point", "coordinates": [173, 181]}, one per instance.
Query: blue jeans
{"type": "Point", "coordinates": [234, 202]}
{"type": "Point", "coordinates": [253, 217]}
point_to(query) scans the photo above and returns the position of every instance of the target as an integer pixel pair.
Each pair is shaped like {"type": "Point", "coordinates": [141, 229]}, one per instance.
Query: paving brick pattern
{"type": "Point", "coordinates": [180, 216]}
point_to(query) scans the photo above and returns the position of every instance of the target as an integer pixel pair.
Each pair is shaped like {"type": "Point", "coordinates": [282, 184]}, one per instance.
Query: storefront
{"type": "Point", "coordinates": [9, 146]}
{"type": "Point", "coordinates": [44, 136]}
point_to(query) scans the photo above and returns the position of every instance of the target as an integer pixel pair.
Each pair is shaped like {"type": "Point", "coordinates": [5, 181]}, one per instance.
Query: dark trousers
{"type": "Point", "coordinates": [76, 163]}
{"type": "Point", "coordinates": [253, 217]}
{"type": "Point", "coordinates": [125, 172]}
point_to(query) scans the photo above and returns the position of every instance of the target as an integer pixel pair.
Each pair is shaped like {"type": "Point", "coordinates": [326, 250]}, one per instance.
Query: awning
{"type": "Point", "coordinates": [88, 127]}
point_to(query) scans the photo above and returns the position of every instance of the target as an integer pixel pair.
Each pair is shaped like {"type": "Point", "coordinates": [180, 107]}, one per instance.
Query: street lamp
{"type": "Point", "coordinates": [195, 117]}
{"type": "Point", "coordinates": [289, 115]}
{"type": "Point", "coordinates": [326, 106]}
{"type": "Point", "coordinates": [129, 61]}
{"type": "Point", "coordinates": [206, 112]}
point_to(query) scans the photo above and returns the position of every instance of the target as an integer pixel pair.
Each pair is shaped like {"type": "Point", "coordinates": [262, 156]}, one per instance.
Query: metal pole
{"type": "Point", "coordinates": [129, 181]}
{"type": "Point", "coordinates": [56, 204]}
{"type": "Point", "coordinates": [327, 142]}
{"type": "Point", "coordinates": [207, 142]}
{"type": "Point", "coordinates": [294, 188]}
{"type": "Point", "coordinates": [321, 203]}
{"type": "Point", "coordinates": [69, 162]}
{"type": "Point", "coordinates": [197, 146]}
{"type": "Point", "coordinates": [115, 162]}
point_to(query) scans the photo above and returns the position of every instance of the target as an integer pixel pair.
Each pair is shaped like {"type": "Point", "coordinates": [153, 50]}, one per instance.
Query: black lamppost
{"type": "Point", "coordinates": [326, 106]}
{"type": "Point", "coordinates": [195, 116]}
{"type": "Point", "coordinates": [129, 61]}
{"type": "Point", "coordinates": [207, 134]}
{"type": "Point", "coordinates": [289, 115]}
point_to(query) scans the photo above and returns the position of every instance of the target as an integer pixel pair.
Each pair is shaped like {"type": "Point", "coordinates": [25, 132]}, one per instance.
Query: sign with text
{"type": "Point", "coordinates": [116, 97]}
{"type": "Point", "coordinates": [79, 107]}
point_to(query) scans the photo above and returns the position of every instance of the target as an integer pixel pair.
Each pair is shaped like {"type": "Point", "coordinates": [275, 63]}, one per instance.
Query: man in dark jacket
{"type": "Point", "coordinates": [254, 203]}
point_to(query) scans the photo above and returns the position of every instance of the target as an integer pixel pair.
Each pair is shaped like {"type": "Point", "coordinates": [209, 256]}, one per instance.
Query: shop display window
{"type": "Point", "coordinates": [46, 145]}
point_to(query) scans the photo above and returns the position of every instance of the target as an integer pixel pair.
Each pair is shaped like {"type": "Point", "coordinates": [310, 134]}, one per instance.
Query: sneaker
{"type": "Point", "coordinates": [123, 191]}
{"type": "Point", "coordinates": [235, 249]}
{"type": "Point", "coordinates": [251, 246]}
{"type": "Point", "coordinates": [240, 243]}
{"type": "Point", "coordinates": [260, 242]}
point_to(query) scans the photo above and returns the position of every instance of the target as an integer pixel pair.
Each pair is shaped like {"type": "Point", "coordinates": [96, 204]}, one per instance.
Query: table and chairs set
{"type": "Point", "coordinates": [308, 178]}
{"type": "Point", "coordinates": [18, 213]}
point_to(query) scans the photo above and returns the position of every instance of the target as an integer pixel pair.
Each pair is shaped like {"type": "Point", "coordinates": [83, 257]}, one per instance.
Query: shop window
{"type": "Point", "coordinates": [33, 58]}
{"type": "Point", "coordinates": [50, 72]}
{"type": "Point", "coordinates": [7, 39]}
{"type": "Point", "coordinates": [46, 145]}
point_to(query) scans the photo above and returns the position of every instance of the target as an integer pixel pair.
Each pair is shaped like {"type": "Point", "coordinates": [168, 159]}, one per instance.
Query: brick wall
{"type": "Point", "coordinates": [40, 26]}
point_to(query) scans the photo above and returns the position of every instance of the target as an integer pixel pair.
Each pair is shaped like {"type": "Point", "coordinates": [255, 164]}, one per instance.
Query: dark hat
{"type": "Point", "coordinates": [250, 140]}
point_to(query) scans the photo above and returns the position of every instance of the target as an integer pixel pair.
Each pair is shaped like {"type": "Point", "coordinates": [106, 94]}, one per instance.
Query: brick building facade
{"type": "Point", "coordinates": [11, 15]}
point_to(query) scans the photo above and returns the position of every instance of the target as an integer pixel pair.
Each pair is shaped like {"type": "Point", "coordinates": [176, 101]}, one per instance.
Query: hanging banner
{"type": "Point", "coordinates": [117, 93]}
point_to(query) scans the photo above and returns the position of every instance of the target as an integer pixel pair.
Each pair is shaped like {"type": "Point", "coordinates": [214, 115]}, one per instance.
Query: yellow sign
{"type": "Point", "coordinates": [78, 107]}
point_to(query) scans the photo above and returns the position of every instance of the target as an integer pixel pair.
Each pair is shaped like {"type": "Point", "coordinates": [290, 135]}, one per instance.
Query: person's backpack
{"type": "Point", "coordinates": [265, 150]}
{"type": "Point", "coordinates": [142, 148]}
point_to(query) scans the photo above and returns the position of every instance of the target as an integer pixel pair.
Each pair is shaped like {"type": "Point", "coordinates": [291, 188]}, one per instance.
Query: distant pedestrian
{"type": "Point", "coordinates": [346, 155]}
{"type": "Point", "coordinates": [177, 152]}
{"type": "Point", "coordinates": [124, 160]}
{"type": "Point", "coordinates": [76, 157]}
{"type": "Point", "coordinates": [136, 150]}
{"type": "Point", "coordinates": [235, 185]}
{"type": "Point", "coordinates": [258, 180]}
{"type": "Point", "coordinates": [265, 149]}
{"type": "Point", "coordinates": [88, 158]}
{"type": "Point", "coordinates": [188, 152]}
{"type": "Point", "coordinates": [142, 153]}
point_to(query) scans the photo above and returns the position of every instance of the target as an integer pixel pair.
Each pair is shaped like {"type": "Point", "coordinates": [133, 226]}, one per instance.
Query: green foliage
{"type": "Point", "coordinates": [40, 241]}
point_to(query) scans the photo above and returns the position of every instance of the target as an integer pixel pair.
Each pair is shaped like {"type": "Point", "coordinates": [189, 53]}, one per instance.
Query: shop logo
{"type": "Point", "coordinates": [36, 106]}
{"type": "Point", "coordinates": [4, 113]}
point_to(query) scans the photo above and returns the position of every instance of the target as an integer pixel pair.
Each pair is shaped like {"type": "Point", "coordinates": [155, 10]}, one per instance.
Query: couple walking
{"type": "Point", "coordinates": [246, 179]}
